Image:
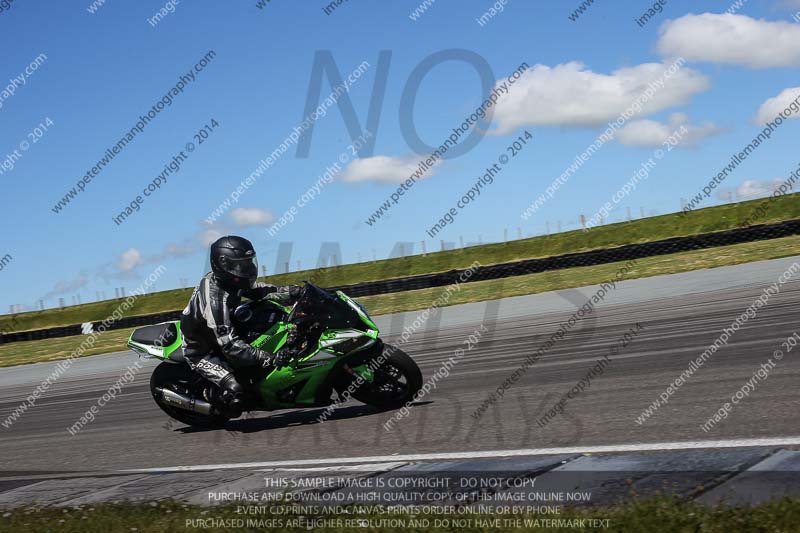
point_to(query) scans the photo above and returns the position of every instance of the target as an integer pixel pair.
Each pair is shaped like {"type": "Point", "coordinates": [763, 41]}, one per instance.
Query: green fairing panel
{"type": "Point", "coordinates": [358, 309]}
{"type": "Point", "coordinates": [311, 371]}
{"type": "Point", "coordinates": [286, 377]}
{"type": "Point", "coordinates": [313, 374]}
{"type": "Point", "coordinates": [275, 337]}
{"type": "Point", "coordinates": [168, 350]}
{"type": "Point", "coordinates": [284, 308]}
{"type": "Point", "coordinates": [160, 353]}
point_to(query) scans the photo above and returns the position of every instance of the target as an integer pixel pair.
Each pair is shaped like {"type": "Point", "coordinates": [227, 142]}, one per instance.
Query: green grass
{"type": "Point", "coordinates": [26, 352]}
{"type": "Point", "coordinates": [581, 276]}
{"type": "Point", "coordinates": [661, 515]}
{"type": "Point", "coordinates": [637, 231]}
{"type": "Point", "coordinates": [49, 350]}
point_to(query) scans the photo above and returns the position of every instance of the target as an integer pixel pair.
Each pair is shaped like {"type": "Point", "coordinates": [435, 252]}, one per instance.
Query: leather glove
{"type": "Point", "coordinates": [283, 358]}
{"type": "Point", "coordinates": [279, 360]}
{"type": "Point", "coordinates": [295, 291]}
{"type": "Point", "coordinates": [266, 359]}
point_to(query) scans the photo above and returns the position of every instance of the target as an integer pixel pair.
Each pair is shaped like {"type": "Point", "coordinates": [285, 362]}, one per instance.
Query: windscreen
{"type": "Point", "coordinates": [325, 308]}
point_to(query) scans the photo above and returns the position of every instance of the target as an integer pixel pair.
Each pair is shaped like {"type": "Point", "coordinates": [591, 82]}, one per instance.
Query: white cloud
{"type": "Point", "coordinates": [770, 109]}
{"type": "Point", "coordinates": [757, 188]}
{"type": "Point", "coordinates": [211, 231]}
{"type": "Point", "coordinates": [174, 251]}
{"type": "Point", "coordinates": [251, 216]}
{"type": "Point", "coordinates": [124, 267]}
{"type": "Point", "coordinates": [731, 39]}
{"type": "Point", "coordinates": [179, 250]}
{"type": "Point", "coordinates": [384, 169]}
{"type": "Point", "coordinates": [130, 259]}
{"type": "Point", "coordinates": [67, 286]}
{"type": "Point", "coordinates": [751, 189]}
{"type": "Point", "coordinates": [208, 236]}
{"type": "Point", "coordinates": [572, 95]}
{"type": "Point", "coordinates": [651, 133]}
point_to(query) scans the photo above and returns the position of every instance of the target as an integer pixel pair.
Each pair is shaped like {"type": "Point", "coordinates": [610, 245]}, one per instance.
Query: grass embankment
{"type": "Point", "coordinates": [50, 350]}
{"type": "Point", "coordinates": [581, 276]}
{"type": "Point", "coordinates": [637, 231]}
{"type": "Point", "coordinates": [23, 353]}
{"type": "Point", "coordinates": [662, 515]}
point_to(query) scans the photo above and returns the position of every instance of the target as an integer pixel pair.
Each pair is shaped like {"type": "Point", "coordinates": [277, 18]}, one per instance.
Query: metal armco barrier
{"type": "Point", "coordinates": [516, 268]}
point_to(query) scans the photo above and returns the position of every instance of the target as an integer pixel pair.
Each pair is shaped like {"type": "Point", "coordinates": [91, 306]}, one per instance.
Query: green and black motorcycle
{"type": "Point", "coordinates": [341, 356]}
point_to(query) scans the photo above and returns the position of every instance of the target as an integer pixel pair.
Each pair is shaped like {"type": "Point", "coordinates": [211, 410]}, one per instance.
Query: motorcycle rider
{"type": "Point", "coordinates": [210, 344]}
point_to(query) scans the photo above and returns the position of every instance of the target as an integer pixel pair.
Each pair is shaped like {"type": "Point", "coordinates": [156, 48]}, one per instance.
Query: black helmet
{"type": "Point", "coordinates": [233, 261]}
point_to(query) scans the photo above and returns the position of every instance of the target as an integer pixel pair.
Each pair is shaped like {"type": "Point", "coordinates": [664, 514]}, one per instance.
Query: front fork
{"type": "Point", "coordinates": [364, 372]}
{"type": "Point", "coordinates": [358, 376]}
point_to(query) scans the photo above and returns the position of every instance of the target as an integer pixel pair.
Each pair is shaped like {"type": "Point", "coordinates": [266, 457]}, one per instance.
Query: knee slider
{"type": "Point", "coordinates": [230, 384]}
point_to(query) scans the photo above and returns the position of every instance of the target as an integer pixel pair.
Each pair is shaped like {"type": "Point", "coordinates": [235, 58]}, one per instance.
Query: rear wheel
{"type": "Point", "coordinates": [394, 383]}
{"type": "Point", "coordinates": [179, 378]}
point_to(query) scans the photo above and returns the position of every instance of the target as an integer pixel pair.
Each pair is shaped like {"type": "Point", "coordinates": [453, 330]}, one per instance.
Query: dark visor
{"type": "Point", "coordinates": [242, 268]}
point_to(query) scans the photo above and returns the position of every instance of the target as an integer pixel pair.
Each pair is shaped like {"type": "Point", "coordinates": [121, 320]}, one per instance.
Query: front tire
{"type": "Point", "coordinates": [395, 382]}
{"type": "Point", "coordinates": [179, 378]}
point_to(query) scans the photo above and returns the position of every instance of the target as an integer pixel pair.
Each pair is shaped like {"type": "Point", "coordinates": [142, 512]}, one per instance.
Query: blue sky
{"type": "Point", "coordinates": [105, 69]}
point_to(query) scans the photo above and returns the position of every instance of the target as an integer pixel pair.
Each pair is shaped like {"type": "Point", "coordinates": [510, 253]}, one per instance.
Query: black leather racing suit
{"type": "Point", "coordinates": [210, 344]}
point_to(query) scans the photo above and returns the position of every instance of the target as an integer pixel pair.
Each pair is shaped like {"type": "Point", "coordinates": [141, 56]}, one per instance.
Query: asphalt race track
{"type": "Point", "coordinates": [680, 316]}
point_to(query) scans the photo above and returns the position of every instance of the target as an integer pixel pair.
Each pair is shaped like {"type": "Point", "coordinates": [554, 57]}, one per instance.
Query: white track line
{"type": "Point", "coordinates": [655, 446]}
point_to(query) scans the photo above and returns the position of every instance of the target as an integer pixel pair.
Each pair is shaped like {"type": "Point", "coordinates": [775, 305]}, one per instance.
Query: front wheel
{"type": "Point", "coordinates": [394, 383]}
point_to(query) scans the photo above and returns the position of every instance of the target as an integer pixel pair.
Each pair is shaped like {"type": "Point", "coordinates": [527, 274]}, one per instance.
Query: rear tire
{"type": "Point", "coordinates": [179, 378]}
{"type": "Point", "coordinates": [396, 381]}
